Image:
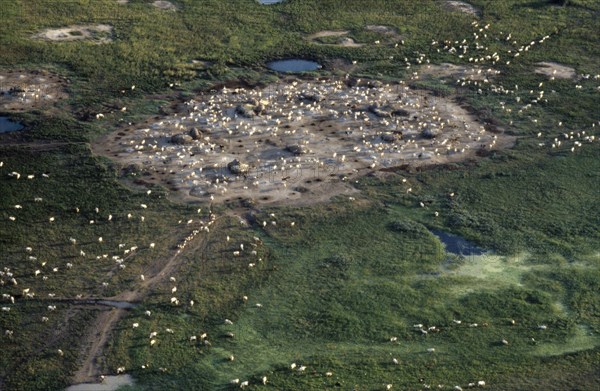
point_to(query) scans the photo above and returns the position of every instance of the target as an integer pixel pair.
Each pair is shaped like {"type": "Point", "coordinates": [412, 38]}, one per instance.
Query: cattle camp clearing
{"type": "Point", "coordinates": [299, 195]}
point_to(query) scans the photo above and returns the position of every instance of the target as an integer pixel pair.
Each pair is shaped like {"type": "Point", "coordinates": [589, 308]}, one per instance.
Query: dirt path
{"type": "Point", "coordinates": [94, 343]}
{"type": "Point", "coordinates": [100, 330]}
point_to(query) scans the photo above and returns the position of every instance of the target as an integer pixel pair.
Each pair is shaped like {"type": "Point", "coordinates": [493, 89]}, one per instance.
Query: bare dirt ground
{"type": "Point", "coordinates": [554, 70]}
{"type": "Point", "coordinates": [26, 90]}
{"type": "Point", "coordinates": [343, 41]}
{"type": "Point", "coordinates": [461, 6]}
{"type": "Point", "coordinates": [165, 5]}
{"type": "Point", "coordinates": [99, 33]}
{"type": "Point", "coordinates": [295, 141]}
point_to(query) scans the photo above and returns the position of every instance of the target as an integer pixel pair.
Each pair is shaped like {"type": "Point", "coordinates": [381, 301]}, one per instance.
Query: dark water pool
{"type": "Point", "coordinates": [6, 125]}
{"type": "Point", "coordinates": [457, 245]}
{"type": "Point", "coordinates": [294, 65]}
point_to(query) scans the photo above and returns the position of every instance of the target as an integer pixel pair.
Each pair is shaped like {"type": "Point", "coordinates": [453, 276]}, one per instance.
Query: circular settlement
{"type": "Point", "coordinates": [266, 144]}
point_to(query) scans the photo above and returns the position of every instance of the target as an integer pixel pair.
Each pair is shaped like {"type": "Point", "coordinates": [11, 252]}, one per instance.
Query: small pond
{"type": "Point", "coordinates": [6, 125]}
{"type": "Point", "coordinates": [117, 304]}
{"type": "Point", "coordinates": [457, 245]}
{"type": "Point", "coordinates": [294, 65]}
{"type": "Point", "coordinates": [126, 305]}
{"type": "Point", "coordinates": [270, 1]}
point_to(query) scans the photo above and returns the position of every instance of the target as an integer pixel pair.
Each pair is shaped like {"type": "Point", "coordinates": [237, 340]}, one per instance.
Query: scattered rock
{"type": "Point", "coordinates": [245, 111]}
{"type": "Point", "coordinates": [238, 168]}
{"type": "Point", "coordinates": [389, 137]}
{"type": "Point", "coordinates": [297, 149]}
{"type": "Point", "coordinates": [259, 109]}
{"type": "Point", "coordinates": [400, 113]}
{"type": "Point", "coordinates": [379, 112]}
{"type": "Point", "coordinates": [310, 98]}
{"type": "Point", "coordinates": [195, 134]}
{"type": "Point", "coordinates": [181, 139]}
{"type": "Point", "coordinates": [430, 132]}
{"type": "Point", "coordinates": [374, 84]}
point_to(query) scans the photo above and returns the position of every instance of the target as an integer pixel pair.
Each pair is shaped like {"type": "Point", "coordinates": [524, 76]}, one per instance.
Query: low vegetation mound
{"type": "Point", "coordinates": [99, 33]}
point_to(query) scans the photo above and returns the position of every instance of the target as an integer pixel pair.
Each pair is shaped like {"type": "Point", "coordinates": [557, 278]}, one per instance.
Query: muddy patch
{"type": "Point", "coordinates": [99, 33]}
{"type": "Point", "coordinates": [26, 90]}
{"type": "Point", "coordinates": [554, 70]}
{"type": "Point", "coordinates": [318, 135]}
{"type": "Point", "coordinates": [461, 6]}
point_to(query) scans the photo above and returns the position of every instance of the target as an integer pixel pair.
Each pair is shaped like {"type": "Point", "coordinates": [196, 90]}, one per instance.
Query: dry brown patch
{"type": "Point", "coordinates": [308, 141]}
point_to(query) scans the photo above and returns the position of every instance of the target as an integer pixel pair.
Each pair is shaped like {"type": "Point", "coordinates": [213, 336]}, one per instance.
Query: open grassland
{"type": "Point", "coordinates": [344, 290]}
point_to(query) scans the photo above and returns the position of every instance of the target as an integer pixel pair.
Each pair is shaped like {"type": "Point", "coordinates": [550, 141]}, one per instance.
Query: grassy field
{"type": "Point", "coordinates": [329, 292]}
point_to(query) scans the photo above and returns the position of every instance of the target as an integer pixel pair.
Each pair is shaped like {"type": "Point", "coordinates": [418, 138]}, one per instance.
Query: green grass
{"type": "Point", "coordinates": [334, 305]}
